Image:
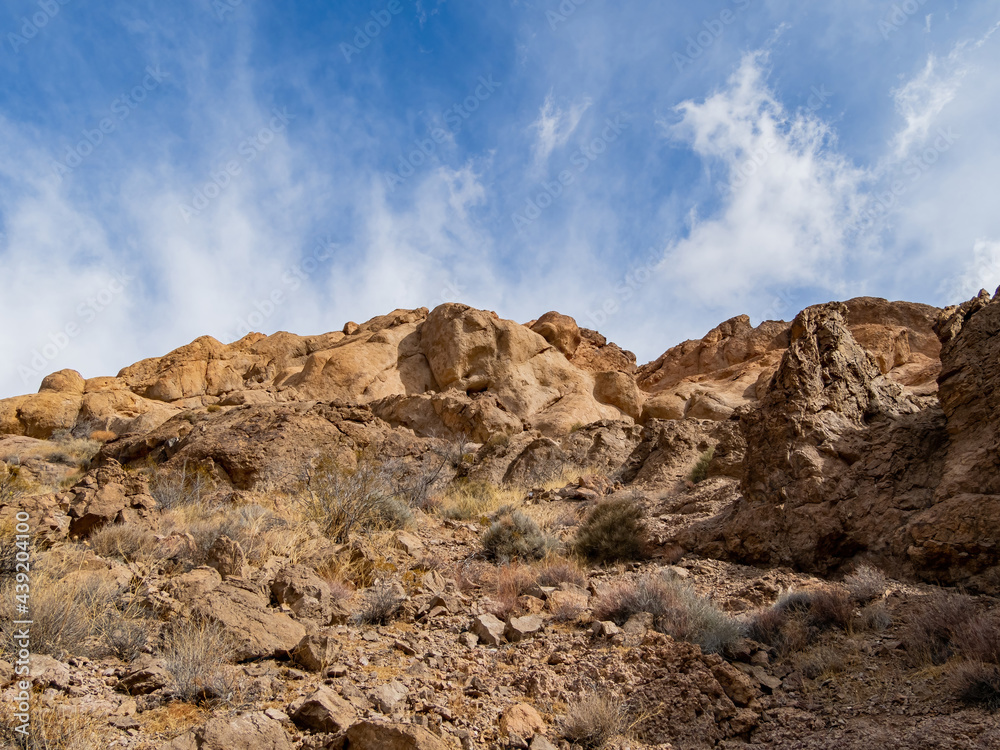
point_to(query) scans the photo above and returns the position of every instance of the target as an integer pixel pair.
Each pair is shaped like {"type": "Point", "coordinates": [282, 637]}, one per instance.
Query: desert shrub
{"type": "Point", "coordinates": [124, 630]}
{"type": "Point", "coordinates": [700, 471]}
{"type": "Point", "coordinates": [592, 720]}
{"type": "Point", "coordinates": [830, 607]}
{"type": "Point", "coordinates": [467, 500]}
{"type": "Point", "coordinates": [127, 542]}
{"type": "Point", "coordinates": [195, 653]}
{"type": "Point", "coordinates": [380, 605]}
{"type": "Point", "coordinates": [933, 625]}
{"type": "Point", "coordinates": [676, 608]}
{"type": "Point", "coordinates": [875, 617]}
{"type": "Point", "coordinates": [176, 487]}
{"type": "Point", "coordinates": [865, 584]}
{"type": "Point", "coordinates": [342, 501]}
{"type": "Point", "coordinates": [554, 570]}
{"type": "Point", "coordinates": [768, 625]}
{"type": "Point", "coordinates": [63, 611]}
{"type": "Point", "coordinates": [613, 530]}
{"type": "Point", "coordinates": [977, 684]}
{"type": "Point", "coordinates": [505, 584]}
{"type": "Point", "coordinates": [515, 536]}
{"type": "Point", "coordinates": [978, 638]}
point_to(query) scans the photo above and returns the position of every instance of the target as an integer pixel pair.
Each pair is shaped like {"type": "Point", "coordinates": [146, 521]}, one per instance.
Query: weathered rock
{"type": "Point", "coordinates": [488, 629]}
{"type": "Point", "coordinates": [521, 720]}
{"type": "Point", "coordinates": [559, 330]}
{"type": "Point", "coordinates": [323, 711]}
{"type": "Point", "coordinates": [257, 632]}
{"type": "Point", "coordinates": [519, 628]}
{"type": "Point", "coordinates": [388, 696]}
{"type": "Point", "coordinates": [370, 736]}
{"type": "Point", "coordinates": [146, 676]}
{"type": "Point", "coordinates": [250, 731]}
{"type": "Point", "coordinates": [304, 593]}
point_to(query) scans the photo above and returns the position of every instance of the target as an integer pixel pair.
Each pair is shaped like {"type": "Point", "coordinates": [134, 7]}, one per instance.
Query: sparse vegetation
{"type": "Point", "coordinates": [126, 542]}
{"type": "Point", "coordinates": [515, 536]}
{"type": "Point", "coordinates": [380, 605]}
{"type": "Point", "coordinates": [614, 530]}
{"type": "Point", "coordinates": [700, 471]}
{"type": "Point", "coordinates": [977, 684]}
{"type": "Point", "coordinates": [676, 608]}
{"type": "Point", "coordinates": [195, 653]}
{"type": "Point", "coordinates": [342, 501]}
{"type": "Point", "coordinates": [592, 720]}
{"type": "Point", "coordinates": [865, 584]}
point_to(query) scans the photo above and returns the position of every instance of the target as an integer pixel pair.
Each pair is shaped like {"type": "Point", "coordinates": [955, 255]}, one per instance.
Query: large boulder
{"type": "Point", "coordinates": [250, 731]}
{"type": "Point", "coordinates": [257, 632]}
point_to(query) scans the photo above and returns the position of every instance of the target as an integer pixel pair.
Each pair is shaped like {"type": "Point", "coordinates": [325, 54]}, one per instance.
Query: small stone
{"type": "Point", "coordinates": [521, 720]}
{"type": "Point", "coordinates": [606, 629]}
{"type": "Point", "coordinates": [388, 696]}
{"type": "Point", "coordinates": [519, 628]}
{"type": "Point", "coordinates": [489, 629]}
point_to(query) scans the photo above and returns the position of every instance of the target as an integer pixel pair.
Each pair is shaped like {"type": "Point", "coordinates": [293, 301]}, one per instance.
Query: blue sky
{"type": "Point", "coordinates": [169, 170]}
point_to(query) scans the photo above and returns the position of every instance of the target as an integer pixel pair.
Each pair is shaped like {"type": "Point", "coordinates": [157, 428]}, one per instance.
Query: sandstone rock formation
{"type": "Point", "coordinates": [843, 461]}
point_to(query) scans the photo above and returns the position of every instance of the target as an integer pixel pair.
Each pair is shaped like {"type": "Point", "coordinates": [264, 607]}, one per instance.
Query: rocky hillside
{"type": "Point", "coordinates": [442, 529]}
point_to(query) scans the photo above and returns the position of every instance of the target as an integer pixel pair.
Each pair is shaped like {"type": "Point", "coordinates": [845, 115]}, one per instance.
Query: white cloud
{"type": "Point", "coordinates": [791, 202]}
{"type": "Point", "coordinates": [982, 271]}
{"type": "Point", "coordinates": [554, 127]}
{"type": "Point", "coordinates": [922, 99]}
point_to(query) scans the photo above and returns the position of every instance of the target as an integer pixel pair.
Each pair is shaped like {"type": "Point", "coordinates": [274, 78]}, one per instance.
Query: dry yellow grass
{"type": "Point", "coordinates": [61, 726]}
{"type": "Point", "coordinates": [474, 500]}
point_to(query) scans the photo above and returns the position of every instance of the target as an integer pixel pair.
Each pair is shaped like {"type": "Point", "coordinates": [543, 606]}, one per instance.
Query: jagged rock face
{"type": "Point", "coordinates": [842, 462]}
{"type": "Point", "coordinates": [733, 364]}
{"type": "Point", "coordinates": [959, 537]}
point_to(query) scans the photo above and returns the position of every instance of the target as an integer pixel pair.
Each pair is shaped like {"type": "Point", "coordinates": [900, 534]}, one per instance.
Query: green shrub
{"type": "Point", "coordinates": [700, 471]}
{"type": "Point", "coordinates": [614, 530]}
{"type": "Point", "coordinates": [515, 536]}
